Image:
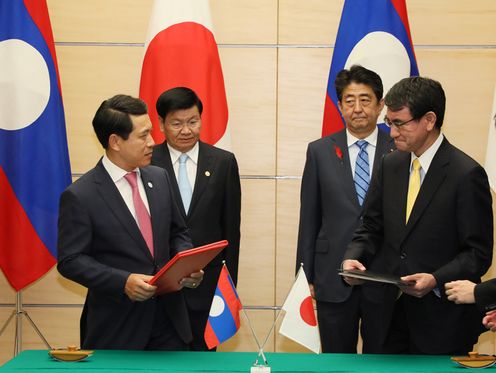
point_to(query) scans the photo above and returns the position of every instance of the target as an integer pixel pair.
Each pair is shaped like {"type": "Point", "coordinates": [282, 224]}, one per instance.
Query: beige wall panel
{"type": "Point", "coordinates": [54, 289]}
{"type": "Point", "coordinates": [288, 214]}
{"type": "Point", "coordinates": [59, 326]}
{"type": "Point", "coordinates": [486, 344]}
{"type": "Point", "coordinates": [452, 22]}
{"type": "Point", "coordinates": [8, 336]}
{"type": "Point", "coordinates": [118, 21]}
{"type": "Point", "coordinates": [244, 21]}
{"type": "Point", "coordinates": [109, 21]}
{"type": "Point", "coordinates": [261, 321]}
{"type": "Point", "coordinates": [309, 22]}
{"type": "Point", "coordinates": [89, 75]}
{"type": "Point", "coordinates": [256, 282]}
{"type": "Point", "coordinates": [468, 78]}
{"type": "Point", "coordinates": [250, 80]}
{"type": "Point", "coordinates": [7, 293]}
{"type": "Point", "coordinates": [302, 85]}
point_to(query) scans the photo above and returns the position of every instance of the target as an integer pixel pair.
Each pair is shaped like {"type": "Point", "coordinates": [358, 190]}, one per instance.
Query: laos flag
{"type": "Point", "coordinates": [34, 161]}
{"type": "Point", "coordinates": [376, 35]}
{"type": "Point", "coordinates": [181, 51]}
{"type": "Point", "coordinates": [223, 319]}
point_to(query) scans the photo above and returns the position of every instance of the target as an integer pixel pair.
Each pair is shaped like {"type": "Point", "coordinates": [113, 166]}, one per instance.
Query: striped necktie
{"type": "Point", "coordinates": [362, 171]}
{"type": "Point", "coordinates": [413, 187]}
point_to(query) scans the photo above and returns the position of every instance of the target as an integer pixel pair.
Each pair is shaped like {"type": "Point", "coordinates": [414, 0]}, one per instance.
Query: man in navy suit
{"type": "Point", "coordinates": [428, 219]}
{"type": "Point", "coordinates": [332, 206]}
{"type": "Point", "coordinates": [118, 225]}
{"type": "Point", "coordinates": [211, 205]}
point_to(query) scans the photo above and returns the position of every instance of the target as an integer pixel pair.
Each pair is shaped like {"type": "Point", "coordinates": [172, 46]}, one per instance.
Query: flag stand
{"type": "Point", "coordinates": [264, 366]}
{"type": "Point", "coordinates": [18, 313]}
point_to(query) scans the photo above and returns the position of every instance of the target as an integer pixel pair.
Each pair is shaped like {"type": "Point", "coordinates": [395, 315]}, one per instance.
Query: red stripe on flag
{"type": "Point", "coordinates": [400, 6]}
{"type": "Point", "coordinates": [38, 11]}
{"type": "Point", "coordinates": [185, 54]}
{"type": "Point", "coordinates": [225, 286]}
{"type": "Point", "coordinates": [211, 339]}
{"type": "Point", "coordinates": [332, 118]}
{"type": "Point", "coordinates": [23, 256]}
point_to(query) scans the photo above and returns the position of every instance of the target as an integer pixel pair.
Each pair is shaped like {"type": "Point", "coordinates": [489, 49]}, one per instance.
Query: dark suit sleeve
{"type": "Point", "coordinates": [485, 295]}
{"type": "Point", "coordinates": [231, 217]}
{"type": "Point", "coordinates": [74, 250]}
{"type": "Point", "coordinates": [368, 238]}
{"type": "Point", "coordinates": [474, 218]}
{"type": "Point", "coordinates": [310, 216]}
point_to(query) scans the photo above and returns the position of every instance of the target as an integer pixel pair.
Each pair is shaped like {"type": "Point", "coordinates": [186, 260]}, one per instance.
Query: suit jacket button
{"type": "Point", "coordinates": [403, 256]}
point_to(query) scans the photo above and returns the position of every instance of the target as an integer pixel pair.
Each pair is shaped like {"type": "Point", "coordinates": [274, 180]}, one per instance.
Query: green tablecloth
{"type": "Point", "coordinates": [151, 361]}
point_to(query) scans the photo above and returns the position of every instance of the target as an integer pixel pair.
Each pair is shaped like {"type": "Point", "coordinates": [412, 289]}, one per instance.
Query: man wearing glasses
{"type": "Point", "coordinates": [208, 190]}
{"type": "Point", "coordinates": [429, 220]}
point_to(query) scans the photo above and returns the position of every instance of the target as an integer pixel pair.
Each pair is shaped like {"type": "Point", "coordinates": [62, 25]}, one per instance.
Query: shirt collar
{"type": "Point", "coordinates": [426, 158]}
{"type": "Point", "coordinates": [192, 154]}
{"type": "Point", "coordinates": [371, 139]}
{"type": "Point", "coordinates": [116, 173]}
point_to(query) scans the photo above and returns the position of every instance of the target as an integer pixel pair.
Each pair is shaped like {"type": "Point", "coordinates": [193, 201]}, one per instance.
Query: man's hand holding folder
{"type": "Point", "coordinates": [351, 265]}
{"type": "Point", "coordinates": [355, 273]}
{"type": "Point", "coordinates": [185, 268]}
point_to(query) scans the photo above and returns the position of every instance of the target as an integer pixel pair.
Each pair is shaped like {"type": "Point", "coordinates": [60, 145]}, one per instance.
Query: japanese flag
{"type": "Point", "coordinates": [181, 51]}
{"type": "Point", "coordinates": [299, 323]}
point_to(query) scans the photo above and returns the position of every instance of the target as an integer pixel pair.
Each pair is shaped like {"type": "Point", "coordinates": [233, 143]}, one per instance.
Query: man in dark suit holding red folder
{"type": "Point", "coordinates": [205, 179]}
{"type": "Point", "coordinates": [118, 225]}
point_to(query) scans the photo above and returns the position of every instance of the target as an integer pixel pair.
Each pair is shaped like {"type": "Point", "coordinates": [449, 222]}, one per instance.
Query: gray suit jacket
{"type": "Point", "coordinates": [330, 212]}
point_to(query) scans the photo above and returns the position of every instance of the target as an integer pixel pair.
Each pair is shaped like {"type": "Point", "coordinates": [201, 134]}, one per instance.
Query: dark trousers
{"type": "Point", "coordinates": [339, 324]}
{"type": "Point", "coordinates": [399, 341]}
{"type": "Point", "coordinates": [164, 336]}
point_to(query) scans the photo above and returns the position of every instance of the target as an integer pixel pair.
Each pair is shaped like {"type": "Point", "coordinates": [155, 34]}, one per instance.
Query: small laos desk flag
{"type": "Point", "coordinates": [299, 323]}
{"type": "Point", "coordinates": [223, 320]}
{"type": "Point", "coordinates": [376, 35]}
{"type": "Point", "coordinates": [34, 161]}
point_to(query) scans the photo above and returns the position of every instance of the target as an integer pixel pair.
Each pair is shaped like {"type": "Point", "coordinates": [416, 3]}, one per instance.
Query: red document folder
{"type": "Point", "coordinates": [183, 264]}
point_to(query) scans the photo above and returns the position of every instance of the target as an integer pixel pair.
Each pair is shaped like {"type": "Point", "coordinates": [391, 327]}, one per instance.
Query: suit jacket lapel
{"type": "Point", "coordinates": [204, 171]}
{"type": "Point", "coordinates": [384, 146]}
{"type": "Point", "coordinates": [152, 196]}
{"type": "Point", "coordinates": [433, 179]}
{"type": "Point", "coordinates": [397, 195]}
{"type": "Point", "coordinates": [338, 141]}
{"type": "Point", "coordinates": [112, 197]}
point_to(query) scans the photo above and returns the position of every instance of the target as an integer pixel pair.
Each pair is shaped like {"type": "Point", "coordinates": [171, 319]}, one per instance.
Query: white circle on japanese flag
{"type": "Point", "coordinates": [384, 54]}
{"type": "Point", "coordinates": [24, 82]}
{"type": "Point", "coordinates": [218, 306]}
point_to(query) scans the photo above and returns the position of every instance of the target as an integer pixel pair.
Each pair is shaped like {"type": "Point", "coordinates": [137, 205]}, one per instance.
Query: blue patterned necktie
{"type": "Point", "coordinates": [183, 182]}
{"type": "Point", "coordinates": [362, 171]}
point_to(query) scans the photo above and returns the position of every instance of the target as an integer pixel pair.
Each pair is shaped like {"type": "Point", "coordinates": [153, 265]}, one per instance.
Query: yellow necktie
{"type": "Point", "coordinates": [413, 187]}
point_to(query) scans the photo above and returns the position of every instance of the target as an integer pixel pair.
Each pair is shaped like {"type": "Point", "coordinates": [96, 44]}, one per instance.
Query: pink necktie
{"type": "Point", "coordinates": [142, 214]}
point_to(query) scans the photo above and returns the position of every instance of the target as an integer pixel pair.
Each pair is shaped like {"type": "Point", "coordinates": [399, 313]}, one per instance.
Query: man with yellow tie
{"type": "Point", "coordinates": [428, 219]}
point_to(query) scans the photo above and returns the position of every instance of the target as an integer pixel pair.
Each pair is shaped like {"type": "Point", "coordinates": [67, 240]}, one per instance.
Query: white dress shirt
{"type": "Point", "coordinates": [117, 175]}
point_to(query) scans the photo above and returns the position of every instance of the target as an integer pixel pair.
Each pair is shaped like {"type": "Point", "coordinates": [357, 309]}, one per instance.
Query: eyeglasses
{"type": "Point", "coordinates": [192, 124]}
{"type": "Point", "coordinates": [396, 124]}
